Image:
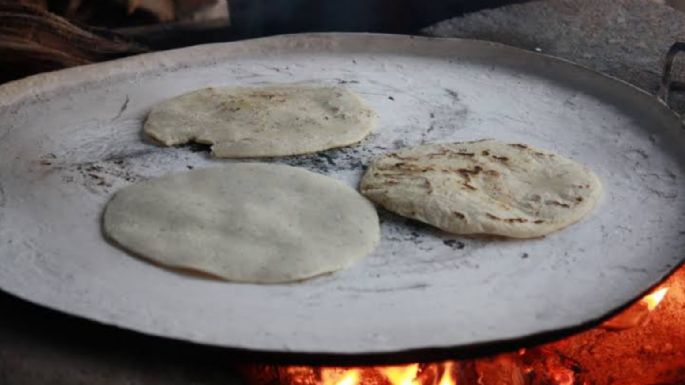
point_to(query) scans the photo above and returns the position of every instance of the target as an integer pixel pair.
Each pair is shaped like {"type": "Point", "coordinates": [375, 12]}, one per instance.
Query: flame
{"type": "Point", "coordinates": [351, 378]}
{"type": "Point", "coordinates": [653, 299]}
{"type": "Point", "coordinates": [401, 375]}
{"type": "Point", "coordinates": [448, 375]}
{"type": "Point", "coordinates": [442, 373]}
{"type": "Point", "coordinates": [637, 314]}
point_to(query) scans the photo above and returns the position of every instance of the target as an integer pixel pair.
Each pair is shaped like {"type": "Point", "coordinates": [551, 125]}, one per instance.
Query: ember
{"type": "Point", "coordinates": [633, 347]}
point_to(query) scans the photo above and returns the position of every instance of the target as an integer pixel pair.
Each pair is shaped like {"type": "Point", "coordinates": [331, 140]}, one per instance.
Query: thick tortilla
{"type": "Point", "coordinates": [268, 121]}
{"type": "Point", "coordinates": [245, 222]}
{"type": "Point", "coordinates": [483, 187]}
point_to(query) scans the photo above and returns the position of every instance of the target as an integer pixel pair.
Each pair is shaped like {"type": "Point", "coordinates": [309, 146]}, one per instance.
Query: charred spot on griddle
{"type": "Point", "coordinates": [189, 167]}
{"type": "Point", "coordinates": [328, 158]}
{"type": "Point", "coordinates": [524, 255]}
{"type": "Point", "coordinates": [93, 168]}
{"type": "Point", "coordinates": [454, 244]}
{"type": "Point", "coordinates": [47, 159]}
{"type": "Point", "coordinates": [391, 98]}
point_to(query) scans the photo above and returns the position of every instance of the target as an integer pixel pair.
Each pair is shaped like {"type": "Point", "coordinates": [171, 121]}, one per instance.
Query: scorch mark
{"type": "Point", "coordinates": [123, 108]}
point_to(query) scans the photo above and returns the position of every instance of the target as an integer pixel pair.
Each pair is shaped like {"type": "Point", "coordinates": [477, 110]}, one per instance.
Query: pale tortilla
{"type": "Point", "coordinates": [483, 187]}
{"type": "Point", "coordinates": [249, 222]}
{"type": "Point", "coordinates": [267, 121]}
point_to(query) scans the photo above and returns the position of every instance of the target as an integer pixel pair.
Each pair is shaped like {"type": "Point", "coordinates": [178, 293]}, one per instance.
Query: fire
{"type": "Point", "coordinates": [653, 299]}
{"type": "Point", "coordinates": [350, 378]}
{"type": "Point", "coordinates": [638, 313]}
{"type": "Point", "coordinates": [401, 375]}
{"type": "Point", "coordinates": [448, 375]}
{"type": "Point", "coordinates": [443, 373]}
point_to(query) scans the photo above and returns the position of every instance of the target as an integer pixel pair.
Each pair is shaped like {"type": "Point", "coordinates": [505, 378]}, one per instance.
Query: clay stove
{"type": "Point", "coordinates": [642, 345]}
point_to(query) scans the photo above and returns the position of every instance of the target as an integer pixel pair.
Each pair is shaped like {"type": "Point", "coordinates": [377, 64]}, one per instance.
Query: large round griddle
{"type": "Point", "coordinates": [70, 139]}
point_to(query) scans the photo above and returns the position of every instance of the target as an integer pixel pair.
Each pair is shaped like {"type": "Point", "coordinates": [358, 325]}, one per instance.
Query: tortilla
{"type": "Point", "coordinates": [483, 187]}
{"type": "Point", "coordinates": [267, 121]}
{"type": "Point", "coordinates": [248, 222]}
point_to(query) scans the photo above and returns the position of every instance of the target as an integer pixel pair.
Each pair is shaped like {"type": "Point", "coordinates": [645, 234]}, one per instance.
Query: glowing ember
{"type": "Point", "coordinates": [350, 378]}
{"type": "Point", "coordinates": [410, 374]}
{"type": "Point", "coordinates": [401, 375]}
{"type": "Point", "coordinates": [653, 299]}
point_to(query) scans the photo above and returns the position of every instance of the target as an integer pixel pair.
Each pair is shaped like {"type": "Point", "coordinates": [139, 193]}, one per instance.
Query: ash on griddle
{"type": "Point", "coordinates": [321, 162]}
{"type": "Point", "coordinates": [98, 176]}
{"type": "Point", "coordinates": [352, 157]}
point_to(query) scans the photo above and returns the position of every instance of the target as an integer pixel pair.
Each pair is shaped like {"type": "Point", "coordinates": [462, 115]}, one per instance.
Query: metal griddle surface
{"type": "Point", "coordinates": [70, 139]}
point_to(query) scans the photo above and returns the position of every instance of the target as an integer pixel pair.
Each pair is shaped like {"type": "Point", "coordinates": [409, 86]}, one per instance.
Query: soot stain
{"type": "Point", "coordinates": [454, 244]}
{"type": "Point", "coordinates": [197, 147]}
{"type": "Point", "coordinates": [345, 158]}
{"type": "Point", "coordinates": [452, 94]}
{"type": "Point", "coordinates": [123, 108]}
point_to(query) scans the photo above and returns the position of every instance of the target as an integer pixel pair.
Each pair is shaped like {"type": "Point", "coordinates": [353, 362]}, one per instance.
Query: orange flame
{"type": "Point", "coordinates": [401, 375]}
{"type": "Point", "coordinates": [653, 299]}
{"type": "Point", "coordinates": [350, 378]}
{"type": "Point", "coordinates": [443, 373]}
{"type": "Point", "coordinates": [448, 374]}
{"type": "Point", "coordinates": [638, 313]}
